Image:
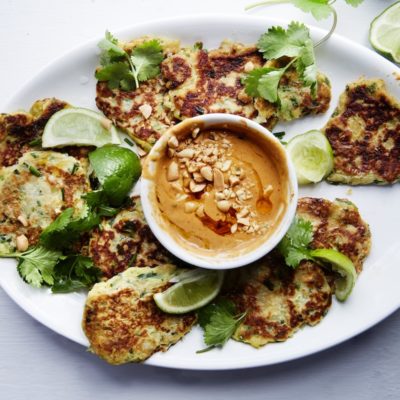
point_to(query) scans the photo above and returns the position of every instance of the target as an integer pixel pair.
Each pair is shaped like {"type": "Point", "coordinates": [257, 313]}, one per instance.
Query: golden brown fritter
{"type": "Point", "coordinates": [364, 133]}
{"type": "Point", "coordinates": [29, 203]}
{"type": "Point", "coordinates": [123, 323]}
{"type": "Point", "coordinates": [279, 300]}
{"type": "Point", "coordinates": [19, 129]}
{"type": "Point", "coordinates": [126, 241]}
{"type": "Point", "coordinates": [125, 109]}
{"type": "Point", "coordinates": [338, 225]}
{"type": "Point", "coordinates": [141, 112]}
{"type": "Point", "coordinates": [202, 82]}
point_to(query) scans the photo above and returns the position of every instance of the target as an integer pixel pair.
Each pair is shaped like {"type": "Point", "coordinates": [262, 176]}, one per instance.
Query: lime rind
{"type": "Point", "coordinates": [79, 127]}
{"type": "Point", "coordinates": [384, 33]}
{"type": "Point", "coordinates": [191, 292]}
{"type": "Point", "coordinates": [343, 266]}
{"type": "Point", "coordinates": [311, 155]}
{"type": "Point", "coordinates": [117, 169]}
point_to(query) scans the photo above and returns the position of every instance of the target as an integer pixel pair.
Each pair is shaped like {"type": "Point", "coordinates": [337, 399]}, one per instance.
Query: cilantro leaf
{"type": "Point", "coordinates": [110, 49]}
{"type": "Point", "coordinates": [98, 200]}
{"type": "Point", "coordinates": [73, 273]}
{"type": "Point", "coordinates": [263, 82]}
{"type": "Point", "coordinates": [294, 246]}
{"type": "Point", "coordinates": [36, 266]}
{"type": "Point", "coordinates": [146, 60]}
{"type": "Point", "coordinates": [251, 81]}
{"type": "Point", "coordinates": [116, 74]}
{"type": "Point", "coordinates": [65, 228]}
{"type": "Point", "coordinates": [219, 322]}
{"type": "Point", "coordinates": [305, 64]}
{"type": "Point", "coordinates": [354, 3]}
{"type": "Point", "coordinates": [320, 9]}
{"type": "Point", "coordinates": [278, 42]}
{"type": "Point", "coordinates": [268, 84]}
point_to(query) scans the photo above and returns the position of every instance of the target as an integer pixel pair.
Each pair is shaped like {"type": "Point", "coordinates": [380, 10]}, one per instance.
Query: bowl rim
{"type": "Point", "coordinates": [211, 261]}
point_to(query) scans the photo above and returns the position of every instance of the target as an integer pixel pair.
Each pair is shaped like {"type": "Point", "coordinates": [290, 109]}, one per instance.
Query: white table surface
{"type": "Point", "coordinates": [36, 363]}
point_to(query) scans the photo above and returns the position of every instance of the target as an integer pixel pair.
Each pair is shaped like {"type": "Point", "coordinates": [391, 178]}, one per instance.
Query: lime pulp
{"type": "Point", "coordinates": [311, 155]}
{"type": "Point", "coordinates": [192, 291]}
{"type": "Point", "coordinates": [79, 126]}
{"type": "Point", "coordinates": [384, 33]}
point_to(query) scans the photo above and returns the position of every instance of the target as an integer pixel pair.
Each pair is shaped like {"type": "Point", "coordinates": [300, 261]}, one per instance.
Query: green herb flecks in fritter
{"type": "Point", "coordinates": [123, 323]}
{"type": "Point", "coordinates": [126, 241]}
{"type": "Point", "coordinates": [22, 131]}
{"type": "Point", "coordinates": [279, 299]}
{"type": "Point", "coordinates": [34, 192]}
{"type": "Point", "coordinates": [364, 133]}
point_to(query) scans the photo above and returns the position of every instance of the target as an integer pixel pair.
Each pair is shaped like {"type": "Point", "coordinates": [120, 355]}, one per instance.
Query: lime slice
{"type": "Point", "coordinates": [384, 33]}
{"type": "Point", "coordinates": [343, 266]}
{"type": "Point", "coordinates": [312, 156]}
{"type": "Point", "coordinates": [117, 169]}
{"type": "Point", "coordinates": [79, 126]}
{"type": "Point", "coordinates": [193, 291]}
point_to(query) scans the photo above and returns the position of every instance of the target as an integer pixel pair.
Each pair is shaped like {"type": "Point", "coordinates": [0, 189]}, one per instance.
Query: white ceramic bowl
{"type": "Point", "coordinates": [155, 219]}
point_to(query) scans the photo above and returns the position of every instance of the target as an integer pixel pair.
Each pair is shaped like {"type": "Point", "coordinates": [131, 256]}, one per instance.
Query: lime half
{"type": "Point", "coordinates": [193, 290]}
{"type": "Point", "coordinates": [312, 156]}
{"type": "Point", "coordinates": [384, 33]}
{"type": "Point", "coordinates": [343, 266]}
{"type": "Point", "coordinates": [79, 126]}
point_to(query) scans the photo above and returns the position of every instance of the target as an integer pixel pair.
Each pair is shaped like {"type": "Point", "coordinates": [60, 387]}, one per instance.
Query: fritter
{"type": "Point", "coordinates": [207, 82]}
{"type": "Point", "coordinates": [126, 241]}
{"type": "Point", "coordinates": [338, 225]}
{"type": "Point", "coordinates": [18, 130]}
{"type": "Point", "coordinates": [296, 99]}
{"type": "Point", "coordinates": [278, 299]}
{"type": "Point", "coordinates": [364, 133]}
{"type": "Point", "coordinates": [125, 109]}
{"type": "Point", "coordinates": [201, 82]}
{"type": "Point", "coordinates": [35, 190]}
{"type": "Point", "coordinates": [140, 112]}
{"type": "Point", "coordinates": [123, 323]}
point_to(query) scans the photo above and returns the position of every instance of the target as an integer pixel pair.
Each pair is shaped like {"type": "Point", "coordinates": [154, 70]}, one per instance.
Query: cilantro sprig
{"type": "Point", "coordinates": [36, 265]}
{"type": "Point", "coordinates": [219, 321]}
{"type": "Point", "coordinates": [73, 273]}
{"type": "Point", "coordinates": [320, 9]}
{"type": "Point", "coordinates": [124, 70]}
{"type": "Point", "coordinates": [294, 246]}
{"type": "Point", "coordinates": [40, 266]}
{"type": "Point", "coordinates": [294, 43]}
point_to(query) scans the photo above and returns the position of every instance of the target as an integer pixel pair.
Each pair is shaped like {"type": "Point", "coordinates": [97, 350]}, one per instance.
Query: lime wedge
{"type": "Point", "coordinates": [193, 291]}
{"type": "Point", "coordinates": [117, 169]}
{"type": "Point", "coordinates": [79, 126]}
{"type": "Point", "coordinates": [312, 156]}
{"type": "Point", "coordinates": [343, 266]}
{"type": "Point", "coordinates": [384, 33]}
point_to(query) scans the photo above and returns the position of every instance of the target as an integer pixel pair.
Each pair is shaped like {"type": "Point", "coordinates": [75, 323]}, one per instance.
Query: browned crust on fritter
{"type": "Point", "coordinates": [337, 225]}
{"type": "Point", "coordinates": [130, 119]}
{"type": "Point", "coordinates": [116, 327]}
{"type": "Point", "coordinates": [372, 154]}
{"type": "Point", "coordinates": [279, 300]}
{"type": "Point", "coordinates": [10, 208]}
{"type": "Point", "coordinates": [210, 67]}
{"type": "Point", "coordinates": [17, 130]}
{"type": "Point", "coordinates": [136, 244]}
